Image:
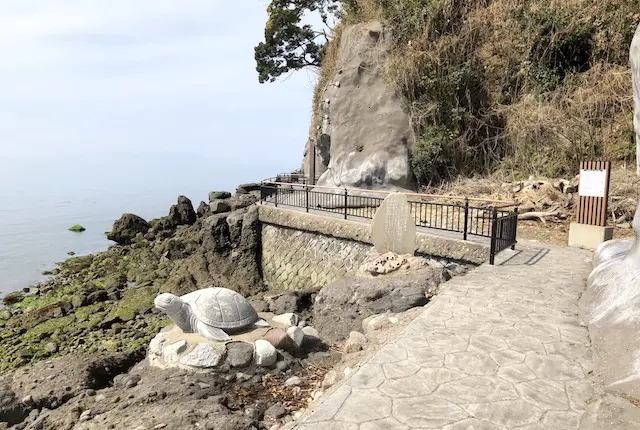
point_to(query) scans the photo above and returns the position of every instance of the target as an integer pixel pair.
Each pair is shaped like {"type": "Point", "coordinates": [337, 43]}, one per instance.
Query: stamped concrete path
{"type": "Point", "coordinates": [502, 347]}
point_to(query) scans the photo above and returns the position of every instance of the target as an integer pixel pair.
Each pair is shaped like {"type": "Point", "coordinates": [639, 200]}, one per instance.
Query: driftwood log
{"type": "Point", "coordinates": [542, 216]}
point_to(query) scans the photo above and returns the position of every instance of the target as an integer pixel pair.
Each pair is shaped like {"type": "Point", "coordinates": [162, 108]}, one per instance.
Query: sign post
{"type": "Point", "coordinates": [590, 228]}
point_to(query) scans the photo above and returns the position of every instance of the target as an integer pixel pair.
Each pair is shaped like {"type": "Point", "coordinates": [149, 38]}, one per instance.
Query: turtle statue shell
{"type": "Point", "coordinates": [223, 308]}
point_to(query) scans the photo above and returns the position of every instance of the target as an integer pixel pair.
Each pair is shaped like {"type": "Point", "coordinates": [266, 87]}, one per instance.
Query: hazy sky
{"type": "Point", "coordinates": [96, 76]}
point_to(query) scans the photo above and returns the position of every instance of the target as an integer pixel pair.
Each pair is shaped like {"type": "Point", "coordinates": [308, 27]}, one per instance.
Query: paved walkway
{"type": "Point", "coordinates": [500, 348]}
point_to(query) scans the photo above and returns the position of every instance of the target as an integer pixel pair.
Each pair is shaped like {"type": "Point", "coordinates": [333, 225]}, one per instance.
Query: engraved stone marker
{"type": "Point", "coordinates": [393, 229]}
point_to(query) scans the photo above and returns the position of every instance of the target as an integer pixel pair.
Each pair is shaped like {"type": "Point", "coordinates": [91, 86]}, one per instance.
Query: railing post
{"type": "Point", "coordinates": [276, 195]}
{"type": "Point", "coordinates": [345, 203]}
{"type": "Point", "coordinates": [306, 188]}
{"type": "Point", "coordinates": [261, 193]}
{"type": "Point", "coordinates": [494, 227]}
{"type": "Point", "coordinates": [515, 228]}
{"type": "Point", "coordinates": [466, 217]}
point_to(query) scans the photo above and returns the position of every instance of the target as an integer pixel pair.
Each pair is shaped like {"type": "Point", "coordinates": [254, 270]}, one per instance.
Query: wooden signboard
{"type": "Point", "coordinates": [593, 192]}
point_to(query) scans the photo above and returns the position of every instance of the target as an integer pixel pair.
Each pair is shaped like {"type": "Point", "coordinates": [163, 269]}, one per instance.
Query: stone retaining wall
{"type": "Point", "coordinates": [295, 260]}
{"type": "Point", "coordinates": [307, 251]}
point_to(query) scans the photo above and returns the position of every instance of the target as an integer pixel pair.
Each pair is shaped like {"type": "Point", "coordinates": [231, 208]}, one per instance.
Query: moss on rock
{"type": "Point", "coordinates": [77, 228]}
{"type": "Point", "coordinates": [76, 264]}
{"type": "Point", "coordinates": [135, 301]}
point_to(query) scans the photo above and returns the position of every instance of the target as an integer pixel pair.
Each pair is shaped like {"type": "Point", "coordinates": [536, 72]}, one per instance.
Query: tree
{"type": "Point", "coordinates": [289, 44]}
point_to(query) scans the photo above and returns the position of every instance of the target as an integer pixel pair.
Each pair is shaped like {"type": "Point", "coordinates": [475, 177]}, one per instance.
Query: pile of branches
{"type": "Point", "coordinates": [543, 200]}
{"type": "Point", "coordinates": [555, 200]}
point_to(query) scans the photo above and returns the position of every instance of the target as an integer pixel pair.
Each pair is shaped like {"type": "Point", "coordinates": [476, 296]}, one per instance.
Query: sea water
{"type": "Point", "coordinates": [40, 201]}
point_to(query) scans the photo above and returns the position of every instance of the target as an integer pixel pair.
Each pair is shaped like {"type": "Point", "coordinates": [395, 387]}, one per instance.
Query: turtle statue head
{"type": "Point", "coordinates": [168, 303]}
{"type": "Point", "coordinates": [176, 309]}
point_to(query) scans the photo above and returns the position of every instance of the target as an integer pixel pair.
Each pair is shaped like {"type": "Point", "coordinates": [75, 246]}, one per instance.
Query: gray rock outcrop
{"type": "Point", "coordinates": [341, 306]}
{"type": "Point", "coordinates": [611, 306]}
{"type": "Point", "coordinates": [611, 303]}
{"type": "Point", "coordinates": [365, 137]}
{"type": "Point", "coordinates": [227, 255]}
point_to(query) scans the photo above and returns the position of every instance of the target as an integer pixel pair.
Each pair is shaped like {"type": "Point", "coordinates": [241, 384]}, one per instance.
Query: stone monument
{"type": "Point", "coordinates": [393, 228]}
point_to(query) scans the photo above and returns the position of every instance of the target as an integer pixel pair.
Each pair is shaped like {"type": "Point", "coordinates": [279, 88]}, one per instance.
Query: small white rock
{"type": "Point", "coordinates": [355, 342]}
{"type": "Point", "coordinates": [242, 377]}
{"type": "Point", "coordinates": [330, 379]}
{"type": "Point", "coordinates": [317, 394]}
{"type": "Point", "coordinates": [265, 354]}
{"type": "Point", "coordinates": [171, 353]}
{"type": "Point", "coordinates": [347, 371]}
{"type": "Point", "coordinates": [286, 320]}
{"type": "Point", "coordinates": [375, 322]}
{"type": "Point", "coordinates": [297, 415]}
{"type": "Point", "coordinates": [296, 334]}
{"type": "Point", "coordinates": [294, 380]}
{"type": "Point", "coordinates": [310, 331]}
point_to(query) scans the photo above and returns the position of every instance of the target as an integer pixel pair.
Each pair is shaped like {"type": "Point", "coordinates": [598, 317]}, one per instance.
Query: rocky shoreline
{"type": "Point", "coordinates": [74, 351]}
{"type": "Point", "coordinates": [103, 303]}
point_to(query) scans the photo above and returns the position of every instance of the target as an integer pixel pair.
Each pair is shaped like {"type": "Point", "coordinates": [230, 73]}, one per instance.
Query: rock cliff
{"type": "Point", "coordinates": [363, 137]}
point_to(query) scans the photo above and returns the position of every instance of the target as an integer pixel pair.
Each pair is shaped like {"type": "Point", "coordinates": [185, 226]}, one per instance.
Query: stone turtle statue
{"type": "Point", "coordinates": [210, 312]}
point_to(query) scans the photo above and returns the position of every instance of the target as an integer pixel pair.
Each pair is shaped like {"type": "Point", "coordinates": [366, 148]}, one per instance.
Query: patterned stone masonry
{"type": "Point", "coordinates": [294, 260]}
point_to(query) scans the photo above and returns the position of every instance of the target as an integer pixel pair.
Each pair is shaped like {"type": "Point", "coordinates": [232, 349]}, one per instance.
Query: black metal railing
{"type": "Point", "coordinates": [290, 178]}
{"type": "Point", "coordinates": [499, 225]}
{"type": "Point", "coordinates": [504, 230]}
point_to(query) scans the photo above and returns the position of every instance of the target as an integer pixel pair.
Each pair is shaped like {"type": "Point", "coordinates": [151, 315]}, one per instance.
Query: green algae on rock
{"type": "Point", "coordinates": [77, 228]}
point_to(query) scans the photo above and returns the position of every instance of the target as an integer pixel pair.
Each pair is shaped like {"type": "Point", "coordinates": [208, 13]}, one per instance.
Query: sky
{"type": "Point", "coordinates": [98, 78]}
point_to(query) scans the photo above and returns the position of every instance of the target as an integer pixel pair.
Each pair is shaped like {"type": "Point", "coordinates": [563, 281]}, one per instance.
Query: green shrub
{"type": "Point", "coordinates": [429, 165]}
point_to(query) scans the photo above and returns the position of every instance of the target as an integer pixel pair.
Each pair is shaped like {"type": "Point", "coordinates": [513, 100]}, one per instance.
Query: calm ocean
{"type": "Point", "coordinates": [39, 202]}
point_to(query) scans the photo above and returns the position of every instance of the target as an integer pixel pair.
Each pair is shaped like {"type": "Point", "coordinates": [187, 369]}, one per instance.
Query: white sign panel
{"type": "Point", "coordinates": [592, 183]}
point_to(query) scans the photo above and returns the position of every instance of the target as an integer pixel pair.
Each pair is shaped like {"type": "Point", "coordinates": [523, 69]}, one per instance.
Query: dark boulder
{"type": "Point", "coordinates": [182, 213]}
{"type": "Point", "coordinates": [204, 210]}
{"type": "Point", "coordinates": [126, 229]}
{"type": "Point", "coordinates": [218, 195]}
{"type": "Point", "coordinates": [241, 201]}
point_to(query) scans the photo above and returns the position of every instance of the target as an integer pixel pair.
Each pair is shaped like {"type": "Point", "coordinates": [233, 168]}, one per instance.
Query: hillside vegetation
{"type": "Point", "coordinates": [517, 86]}
{"type": "Point", "coordinates": [528, 87]}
